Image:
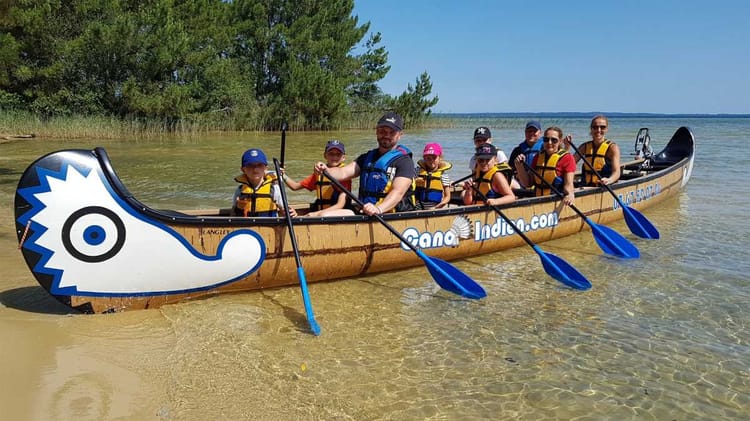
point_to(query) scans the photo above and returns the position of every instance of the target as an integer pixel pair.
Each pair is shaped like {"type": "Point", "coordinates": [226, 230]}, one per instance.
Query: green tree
{"type": "Point", "coordinates": [240, 64]}
{"type": "Point", "coordinates": [414, 104]}
{"type": "Point", "coordinates": [372, 67]}
{"type": "Point", "coordinates": [300, 52]}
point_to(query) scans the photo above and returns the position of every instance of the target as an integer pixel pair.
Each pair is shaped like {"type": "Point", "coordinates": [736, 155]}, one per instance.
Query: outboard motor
{"type": "Point", "coordinates": [643, 148]}
{"type": "Point", "coordinates": [643, 144]}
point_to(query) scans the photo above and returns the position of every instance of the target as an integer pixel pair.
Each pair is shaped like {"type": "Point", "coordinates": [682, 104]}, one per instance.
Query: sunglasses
{"type": "Point", "coordinates": [602, 127]}
{"type": "Point", "coordinates": [551, 139]}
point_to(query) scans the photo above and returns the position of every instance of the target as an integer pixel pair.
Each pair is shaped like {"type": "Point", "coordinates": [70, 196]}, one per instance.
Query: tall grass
{"type": "Point", "coordinates": [15, 123]}
{"type": "Point", "coordinates": [23, 123]}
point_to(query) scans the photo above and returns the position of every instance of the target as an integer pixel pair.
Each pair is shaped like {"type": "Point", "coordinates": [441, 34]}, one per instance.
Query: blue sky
{"type": "Point", "coordinates": [533, 56]}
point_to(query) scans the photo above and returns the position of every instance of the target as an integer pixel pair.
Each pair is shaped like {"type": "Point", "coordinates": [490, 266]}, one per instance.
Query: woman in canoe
{"type": "Point", "coordinates": [554, 165]}
{"type": "Point", "coordinates": [600, 152]}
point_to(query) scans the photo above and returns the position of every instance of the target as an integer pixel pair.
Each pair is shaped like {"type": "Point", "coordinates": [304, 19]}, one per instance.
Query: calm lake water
{"type": "Point", "coordinates": [664, 337]}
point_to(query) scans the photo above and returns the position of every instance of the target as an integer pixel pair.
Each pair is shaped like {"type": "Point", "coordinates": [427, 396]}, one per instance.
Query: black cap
{"type": "Point", "coordinates": [482, 133]}
{"type": "Point", "coordinates": [391, 120]}
{"type": "Point", "coordinates": [486, 151]}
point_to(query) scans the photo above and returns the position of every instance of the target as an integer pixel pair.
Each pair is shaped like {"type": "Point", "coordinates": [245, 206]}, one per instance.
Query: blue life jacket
{"type": "Point", "coordinates": [376, 178]}
{"type": "Point", "coordinates": [531, 151]}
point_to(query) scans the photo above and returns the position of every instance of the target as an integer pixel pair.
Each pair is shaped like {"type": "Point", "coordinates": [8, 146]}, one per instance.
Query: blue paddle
{"type": "Point", "coordinates": [446, 275]}
{"type": "Point", "coordinates": [300, 270]}
{"type": "Point", "coordinates": [553, 265]}
{"type": "Point", "coordinates": [638, 224]}
{"type": "Point", "coordinates": [609, 240]}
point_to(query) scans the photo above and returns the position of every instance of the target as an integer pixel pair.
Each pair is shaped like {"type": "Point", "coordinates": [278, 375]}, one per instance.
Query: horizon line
{"type": "Point", "coordinates": [590, 113]}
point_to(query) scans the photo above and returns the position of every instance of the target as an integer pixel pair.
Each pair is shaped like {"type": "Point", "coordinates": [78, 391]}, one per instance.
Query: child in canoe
{"type": "Point", "coordinates": [433, 184]}
{"type": "Point", "coordinates": [258, 193]}
{"type": "Point", "coordinates": [329, 200]}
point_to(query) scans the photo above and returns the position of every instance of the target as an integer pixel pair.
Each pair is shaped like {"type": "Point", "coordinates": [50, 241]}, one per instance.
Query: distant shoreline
{"type": "Point", "coordinates": [17, 126]}
{"type": "Point", "coordinates": [583, 115]}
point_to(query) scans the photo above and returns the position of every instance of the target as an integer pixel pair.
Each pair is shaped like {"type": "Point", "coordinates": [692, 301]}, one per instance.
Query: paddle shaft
{"type": "Point", "coordinates": [553, 188]}
{"type": "Point", "coordinates": [462, 179]}
{"type": "Point", "coordinates": [293, 238]}
{"type": "Point", "coordinates": [283, 142]}
{"type": "Point", "coordinates": [290, 225]}
{"type": "Point", "coordinates": [380, 219]}
{"type": "Point", "coordinates": [502, 215]}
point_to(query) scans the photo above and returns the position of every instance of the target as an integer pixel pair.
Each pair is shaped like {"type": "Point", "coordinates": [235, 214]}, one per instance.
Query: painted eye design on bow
{"type": "Point", "coordinates": [92, 242]}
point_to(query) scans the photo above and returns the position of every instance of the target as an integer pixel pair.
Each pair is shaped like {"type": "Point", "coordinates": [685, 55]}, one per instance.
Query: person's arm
{"type": "Point", "coordinates": [340, 202]}
{"type": "Point", "coordinates": [236, 211]}
{"type": "Point", "coordinates": [295, 185]}
{"type": "Point", "coordinates": [446, 181]}
{"type": "Point", "coordinates": [347, 172]}
{"type": "Point", "coordinates": [468, 194]}
{"type": "Point", "coordinates": [568, 188]}
{"type": "Point", "coordinates": [613, 153]}
{"type": "Point", "coordinates": [566, 167]}
{"type": "Point", "coordinates": [399, 187]}
{"type": "Point", "coordinates": [500, 185]}
{"type": "Point", "coordinates": [513, 155]}
{"type": "Point", "coordinates": [279, 201]}
{"type": "Point", "coordinates": [524, 179]}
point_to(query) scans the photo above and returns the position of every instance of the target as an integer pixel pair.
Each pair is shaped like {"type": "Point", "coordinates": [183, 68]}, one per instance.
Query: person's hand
{"type": "Point", "coordinates": [320, 167]}
{"type": "Point", "coordinates": [569, 198]}
{"type": "Point", "coordinates": [292, 212]}
{"type": "Point", "coordinates": [567, 141]}
{"type": "Point", "coordinates": [605, 181]}
{"type": "Point", "coordinates": [521, 158]}
{"type": "Point", "coordinates": [371, 209]}
{"type": "Point", "coordinates": [468, 185]}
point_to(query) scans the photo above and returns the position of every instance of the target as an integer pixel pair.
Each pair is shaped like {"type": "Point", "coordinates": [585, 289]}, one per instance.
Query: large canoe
{"type": "Point", "coordinates": [96, 248]}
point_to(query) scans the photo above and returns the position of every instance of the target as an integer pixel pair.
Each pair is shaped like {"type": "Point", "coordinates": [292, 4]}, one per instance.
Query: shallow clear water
{"type": "Point", "coordinates": [662, 337]}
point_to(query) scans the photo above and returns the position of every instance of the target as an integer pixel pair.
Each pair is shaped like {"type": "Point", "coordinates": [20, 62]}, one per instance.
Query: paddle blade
{"type": "Point", "coordinates": [562, 270]}
{"type": "Point", "coordinates": [611, 242]}
{"type": "Point", "coordinates": [451, 279]}
{"type": "Point", "coordinates": [639, 225]}
{"type": "Point", "coordinates": [306, 298]}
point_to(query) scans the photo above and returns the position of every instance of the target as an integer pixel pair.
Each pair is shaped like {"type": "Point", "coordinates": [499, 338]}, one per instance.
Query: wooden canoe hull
{"type": "Point", "coordinates": [95, 248]}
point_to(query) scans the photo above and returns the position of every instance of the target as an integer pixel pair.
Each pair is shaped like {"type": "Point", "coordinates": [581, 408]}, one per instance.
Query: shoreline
{"type": "Point", "coordinates": [21, 126]}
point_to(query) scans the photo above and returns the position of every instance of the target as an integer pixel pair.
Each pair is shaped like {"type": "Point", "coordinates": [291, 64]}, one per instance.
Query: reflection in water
{"type": "Point", "coordinates": [76, 396]}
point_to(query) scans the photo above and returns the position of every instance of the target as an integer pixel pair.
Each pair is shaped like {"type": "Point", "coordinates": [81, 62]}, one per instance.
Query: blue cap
{"type": "Point", "coordinates": [253, 156]}
{"type": "Point", "coordinates": [335, 144]}
{"type": "Point", "coordinates": [535, 124]}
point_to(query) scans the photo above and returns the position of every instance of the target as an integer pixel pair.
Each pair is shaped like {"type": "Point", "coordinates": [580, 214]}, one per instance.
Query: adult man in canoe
{"type": "Point", "coordinates": [386, 173]}
{"type": "Point", "coordinates": [526, 151]}
{"type": "Point", "coordinates": [530, 146]}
